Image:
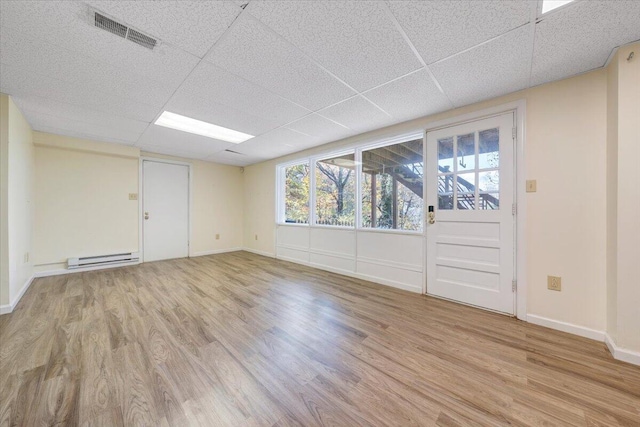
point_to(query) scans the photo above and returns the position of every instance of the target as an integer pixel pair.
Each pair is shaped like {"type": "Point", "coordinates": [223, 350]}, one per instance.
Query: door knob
{"type": "Point", "coordinates": [146, 215]}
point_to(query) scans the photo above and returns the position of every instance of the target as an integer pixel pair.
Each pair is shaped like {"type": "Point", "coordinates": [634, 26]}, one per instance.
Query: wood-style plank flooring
{"type": "Point", "coordinates": [243, 340]}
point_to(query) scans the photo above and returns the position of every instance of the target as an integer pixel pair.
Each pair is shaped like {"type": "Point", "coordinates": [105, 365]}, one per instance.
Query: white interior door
{"type": "Point", "coordinates": [470, 188]}
{"type": "Point", "coordinates": [165, 206]}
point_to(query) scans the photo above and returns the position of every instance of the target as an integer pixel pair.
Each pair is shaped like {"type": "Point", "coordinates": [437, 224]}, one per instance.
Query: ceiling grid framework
{"type": "Point", "coordinates": [295, 74]}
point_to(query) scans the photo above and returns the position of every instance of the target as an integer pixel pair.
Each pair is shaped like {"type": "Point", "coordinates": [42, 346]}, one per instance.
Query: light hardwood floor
{"type": "Point", "coordinates": [243, 340]}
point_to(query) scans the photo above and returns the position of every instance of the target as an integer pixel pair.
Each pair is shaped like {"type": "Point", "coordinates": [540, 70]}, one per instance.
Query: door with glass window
{"type": "Point", "coordinates": [470, 213]}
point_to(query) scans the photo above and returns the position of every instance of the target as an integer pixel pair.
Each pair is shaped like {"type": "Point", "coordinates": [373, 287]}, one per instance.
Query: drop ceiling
{"type": "Point", "coordinates": [296, 74]}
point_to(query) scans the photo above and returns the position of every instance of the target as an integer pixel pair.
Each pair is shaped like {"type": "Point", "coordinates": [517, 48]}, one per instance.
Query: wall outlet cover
{"type": "Point", "coordinates": [133, 196]}
{"type": "Point", "coordinates": [554, 283]}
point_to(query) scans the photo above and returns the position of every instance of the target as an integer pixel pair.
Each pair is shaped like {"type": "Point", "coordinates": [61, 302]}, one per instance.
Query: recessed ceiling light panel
{"type": "Point", "coordinates": [198, 127]}
{"type": "Point", "coordinates": [549, 5]}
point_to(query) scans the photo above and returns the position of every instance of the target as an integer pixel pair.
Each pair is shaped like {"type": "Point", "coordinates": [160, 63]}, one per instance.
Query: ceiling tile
{"type": "Point", "coordinates": [193, 26]}
{"type": "Point", "coordinates": [320, 128]}
{"type": "Point", "coordinates": [47, 59]}
{"type": "Point", "coordinates": [158, 137]}
{"type": "Point", "coordinates": [175, 152]}
{"type": "Point", "coordinates": [276, 143]}
{"type": "Point", "coordinates": [355, 40]}
{"type": "Point", "coordinates": [65, 126]}
{"type": "Point", "coordinates": [227, 158]}
{"type": "Point", "coordinates": [217, 85]}
{"type": "Point", "coordinates": [492, 69]}
{"type": "Point", "coordinates": [189, 105]}
{"type": "Point", "coordinates": [581, 36]}
{"type": "Point", "coordinates": [69, 24]}
{"type": "Point", "coordinates": [72, 113]}
{"type": "Point", "coordinates": [439, 29]}
{"type": "Point", "coordinates": [410, 97]}
{"type": "Point", "coordinates": [20, 83]}
{"type": "Point", "coordinates": [253, 52]}
{"type": "Point", "coordinates": [358, 114]}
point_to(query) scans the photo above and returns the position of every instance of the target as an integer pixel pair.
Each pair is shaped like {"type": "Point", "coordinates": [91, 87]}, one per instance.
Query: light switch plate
{"type": "Point", "coordinates": [532, 186]}
{"type": "Point", "coordinates": [133, 196]}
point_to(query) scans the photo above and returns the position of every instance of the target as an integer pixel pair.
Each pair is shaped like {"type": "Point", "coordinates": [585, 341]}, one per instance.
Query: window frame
{"type": "Point", "coordinates": [281, 182]}
{"type": "Point", "coordinates": [356, 150]}
{"type": "Point", "coordinates": [399, 139]}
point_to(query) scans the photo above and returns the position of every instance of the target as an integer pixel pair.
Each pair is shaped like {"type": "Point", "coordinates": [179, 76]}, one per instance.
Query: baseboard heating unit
{"type": "Point", "coordinates": [93, 261]}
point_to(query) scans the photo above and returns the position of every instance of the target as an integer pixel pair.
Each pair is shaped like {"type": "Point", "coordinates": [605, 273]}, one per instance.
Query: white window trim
{"type": "Point", "coordinates": [280, 197]}
{"type": "Point", "coordinates": [357, 151]}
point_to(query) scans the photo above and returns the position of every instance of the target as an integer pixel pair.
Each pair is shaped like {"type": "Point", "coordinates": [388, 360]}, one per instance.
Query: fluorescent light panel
{"type": "Point", "coordinates": [198, 127]}
{"type": "Point", "coordinates": [549, 5]}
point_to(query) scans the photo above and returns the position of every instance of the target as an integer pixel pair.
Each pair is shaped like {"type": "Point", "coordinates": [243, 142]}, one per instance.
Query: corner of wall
{"type": "Point", "coordinates": [4, 211]}
{"type": "Point", "coordinates": [20, 196]}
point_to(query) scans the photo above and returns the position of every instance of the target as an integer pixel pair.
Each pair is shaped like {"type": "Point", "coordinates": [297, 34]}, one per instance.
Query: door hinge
{"type": "Point", "coordinates": [514, 209]}
{"type": "Point", "coordinates": [514, 285]}
{"type": "Point", "coordinates": [514, 132]}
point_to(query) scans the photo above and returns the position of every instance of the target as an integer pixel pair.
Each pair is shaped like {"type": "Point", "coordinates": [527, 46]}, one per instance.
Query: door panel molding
{"type": "Point", "coordinates": [460, 220]}
{"type": "Point", "coordinates": [142, 159]}
{"type": "Point", "coordinates": [519, 108]}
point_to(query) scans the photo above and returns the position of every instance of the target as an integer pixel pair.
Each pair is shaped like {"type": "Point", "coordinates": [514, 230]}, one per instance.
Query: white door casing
{"type": "Point", "coordinates": [165, 210]}
{"type": "Point", "coordinates": [470, 184]}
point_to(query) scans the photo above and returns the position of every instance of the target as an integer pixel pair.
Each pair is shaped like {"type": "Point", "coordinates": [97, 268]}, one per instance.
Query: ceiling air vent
{"type": "Point", "coordinates": [234, 152]}
{"type": "Point", "coordinates": [123, 31]}
{"type": "Point", "coordinates": [110, 25]}
{"type": "Point", "coordinates": [141, 39]}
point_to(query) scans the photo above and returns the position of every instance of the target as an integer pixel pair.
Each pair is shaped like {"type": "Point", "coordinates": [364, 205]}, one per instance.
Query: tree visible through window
{"type": "Point", "coordinates": [296, 197]}
{"type": "Point", "coordinates": [335, 191]}
{"type": "Point", "coordinates": [392, 180]}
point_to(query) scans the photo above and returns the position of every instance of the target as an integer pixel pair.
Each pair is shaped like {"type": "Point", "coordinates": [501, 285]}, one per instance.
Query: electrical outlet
{"type": "Point", "coordinates": [554, 283]}
{"type": "Point", "coordinates": [133, 196]}
{"type": "Point", "coordinates": [256, 237]}
{"type": "Point", "coordinates": [532, 186]}
{"type": "Point", "coordinates": [217, 237]}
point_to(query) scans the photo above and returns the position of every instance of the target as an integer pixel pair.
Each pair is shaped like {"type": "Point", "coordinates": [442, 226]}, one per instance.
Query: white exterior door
{"type": "Point", "coordinates": [165, 206]}
{"type": "Point", "coordinates": [470, 233]}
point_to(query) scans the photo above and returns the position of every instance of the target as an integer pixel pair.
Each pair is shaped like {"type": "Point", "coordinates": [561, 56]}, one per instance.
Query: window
{"type": "Point", "coordinates": [472, 162]}
{"type": "Point", "coordinates": [392, 182]}
{"type": "Point", "coordinates": [336, 191]}
{"type": "Point", "coordinates": [296, 194]}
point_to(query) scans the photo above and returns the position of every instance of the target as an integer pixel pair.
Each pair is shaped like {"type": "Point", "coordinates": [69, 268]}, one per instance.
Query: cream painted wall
{"type": "Point", "coordinates": [565, 139]}
{"type": "Point", "coordinates": [20, 197]}
{"type": "Point", "coordinates": [4, 197]}
{"type": "Point", "coordinates": [217, 206]}
{"type": "Point", "coordinates": [628, 209]}
{"type": "Point", "coordinates": [566, 218]}
{"type": "Point", "coordinates": [82, 194]}
{"type": "Point", "coordinates": [259, 208]}
{"type": "Point", "coordinates": [612, 197]}
{"type": "Point", "coordinates": [83, 209]}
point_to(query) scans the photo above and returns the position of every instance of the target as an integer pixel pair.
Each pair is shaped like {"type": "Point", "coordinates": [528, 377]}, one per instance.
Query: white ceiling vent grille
{"type": "Point", "coordinates": [123, 31]}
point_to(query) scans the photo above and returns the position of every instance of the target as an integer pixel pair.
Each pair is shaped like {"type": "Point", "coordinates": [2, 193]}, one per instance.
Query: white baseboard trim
{"type": "Point", "coordinates": [355, 275]}
{"type": "Point", "coordinates": [214, 252]}
{"type": "Point", "coordinates": [58, 272]}
{"type": "Point", "coordinates": [566, 327]}
{"type": "Point", "coordinates": [8, 308]}
{"type": "Point", "coordinates": [257, 252]}
{"type": "Point", "coordinates": [620, 353]}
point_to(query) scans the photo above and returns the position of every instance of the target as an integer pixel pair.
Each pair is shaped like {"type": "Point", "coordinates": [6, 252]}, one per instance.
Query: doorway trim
{"type": "Point", "coordinates": [519, 109]}
{"type": "Point", "coordinates": [141, 198]}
